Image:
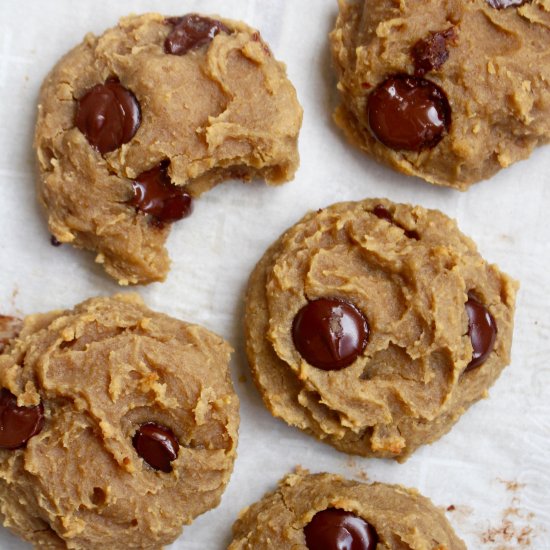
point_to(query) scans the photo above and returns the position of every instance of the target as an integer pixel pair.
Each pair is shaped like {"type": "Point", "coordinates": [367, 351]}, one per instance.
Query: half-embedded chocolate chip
{"type": "Point", "coordinates": [482, 330]}
{"type": "Point", "coordinates": [335, 529]}
{"type": "Point", "coordinates": [408, 113]}
{"type": "Point", "coordinates": [156, 195]}
{"type": "Point", "coordinates": [18, 424]}
{"type": "Point", "coordinates": [501, 4]}
{"type": "Point", "coordinates": [330, 333]}
{"type": "Point", "coordinates": [430, 53]}
{"type": "Point", "coordinates": [54, 241]}
{"type": "Point", "coordinates": [191, 31]}
{"type": "Point", "coordinates": [108, 115]}
{"type": "Point", "coordinates": [157, 445]}
{"type": "Point", "coordinates": [384, 214]}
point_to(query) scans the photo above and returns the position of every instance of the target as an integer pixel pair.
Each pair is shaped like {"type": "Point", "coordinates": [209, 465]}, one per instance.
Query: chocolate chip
{"type": "Point", "coordinates": [408, 113]}
{"type": "Point", "coordinates": [335, 529]}
{"type": "Point", "coordinates": [430, 53]}
{"type": "Point", "coordinates": [18, 424]}
{"type": "Point", "coordinates": [157, 445]}
{"type": "Point", "coordinates": [191, 31]}
{"type": "Point", "coordinates": [330, 333]}
{"type": "Point", "coordinates": [482, 330]}
{"type": "Point", "coordinates": [54, 241]}
{"type": "Point", "coordinates": [156, 195]}
{"type": "Point", "coordinates": [384, 214]}
{"type": "Point", "coordinates": [501, 4]}
{"type": "Point", "coordinates": [108, 115]}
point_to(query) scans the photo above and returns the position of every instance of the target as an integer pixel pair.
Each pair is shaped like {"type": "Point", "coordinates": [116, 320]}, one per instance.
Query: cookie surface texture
{"type": "Point", "coordinates": [134, 124]}
{"type": "Point", "coordinates": [397, 517]}
{"type": "Point", "coordinates": [374, 326]}
{"type": "Point", "coordinates": [132, 426]}
{"type": "Point", "coordinates": [445, 90]}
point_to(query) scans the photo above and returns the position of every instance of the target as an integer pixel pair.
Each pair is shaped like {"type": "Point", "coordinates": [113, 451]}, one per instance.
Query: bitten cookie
{"type": "Point", "coordinates": [375, 325]}
{"type": "Point", "coordinates": [446, 90]}
{"type": "Point", "coordinates": [134, 124]}
{"type": "Point", "coordinates": [118, 425]}
{"type": "Point", "coordinates": [325, 511]}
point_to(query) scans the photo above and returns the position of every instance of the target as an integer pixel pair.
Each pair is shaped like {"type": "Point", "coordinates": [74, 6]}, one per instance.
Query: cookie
{"type": "Point", "coordinates": [448, 91]}
{"type": "Point", "coordinates": [135, 124]}
{"type": "Point", "coordinates": [9, 329]}
{"type": "Point", "coordinates": [326, 511]}
{"type": "Point", "coordinates": [374, 326]}
{"type": "Point", "coordinates": [117, 426]}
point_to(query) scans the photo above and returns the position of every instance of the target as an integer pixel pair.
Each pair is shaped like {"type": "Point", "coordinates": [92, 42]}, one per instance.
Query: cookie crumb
{"type": "Point", "coordinates": [514, 530]}
{"type": "Point", "coordinates": [512, 486]}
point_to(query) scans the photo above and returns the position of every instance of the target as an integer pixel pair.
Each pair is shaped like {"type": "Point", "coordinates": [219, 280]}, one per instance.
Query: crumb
{"type": "Point", "coordinates": [242, 379]}
{"type": "Point", "coordinates": [512, 486]}
{"type": "Point", "coordinates": [461, 512]}
{"type": "Point", "coordinates": [508, 532]}
{"type": "Point", "coordinates": [362, 475]}
{"type": "Point", "coordinates": [514, 530]}
{"type": "Point", "coordinates": [14, 294]}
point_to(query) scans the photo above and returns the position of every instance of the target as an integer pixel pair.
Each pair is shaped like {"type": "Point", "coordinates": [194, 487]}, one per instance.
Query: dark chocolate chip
{"type": "Point", "coordinates": [108, 115]}
{"type": "Point", "coordinates": [330, 333]}
{"type": "Point", "coordinates": [18, 424]}
{"type": "Point", "coordinates": [482, 330]}
{"type": "Point", "coordinates": [408, 113]}
{"type": "Point", "coordinates": [157, 445]}
{"type": "Point", "coordinates": [384, 214]}
{"type": "Point", "coordinates": [191, 31]}
{"type": "Point", "coordinates": [501, 4]}
{"type": "Point", "coordinates": [54, 241]}
{"type": "Point", "coordinates": [156, 195]}
{"type": "Point", "coordinates": [335, 529]}
{"type": "Point", "coordinates": [430, 53]}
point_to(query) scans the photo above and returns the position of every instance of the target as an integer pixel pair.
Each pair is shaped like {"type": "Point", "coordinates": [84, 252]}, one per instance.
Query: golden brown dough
{"type": "Point", "coordinates": [403, 519]}
{"type": "Point", "coordinates": [101, 371]}
{"type": "Point", "coordinates": [496, 79]}
{"type": "Point", "coordinates": [221, 111]}
{"type": "Point", "coordinates": [411, 273]}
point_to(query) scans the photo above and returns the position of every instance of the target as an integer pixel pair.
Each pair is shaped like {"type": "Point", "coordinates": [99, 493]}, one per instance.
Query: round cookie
{"type": "Point", "coordinates": [118, 425]}
{"type": "Point", "coordinates": [374, 326]}
{"type": "Point", "coordinates": [326, 511]}
{"type": "Point", "coordinates": [448, 91]}
{"type": "Point", "coordinates": [134, 124]}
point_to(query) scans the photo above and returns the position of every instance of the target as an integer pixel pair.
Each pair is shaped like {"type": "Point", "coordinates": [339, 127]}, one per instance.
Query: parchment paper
{"type": "Point", "coordinates": [492, 471]}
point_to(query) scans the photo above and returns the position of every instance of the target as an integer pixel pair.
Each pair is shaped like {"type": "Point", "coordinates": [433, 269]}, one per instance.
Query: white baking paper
{"type": "Point", "coordinates": [492, 471]}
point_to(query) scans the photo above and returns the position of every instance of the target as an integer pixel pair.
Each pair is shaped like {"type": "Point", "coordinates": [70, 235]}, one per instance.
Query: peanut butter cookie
{"type": "Point", "coordinates": [118, 425]}
{"type": "Point", "coordinates": [445, 90]}
{"type": "Point", "coordinates": [135, 124]}
{"type": "Point", "coordinates": [326, 511]}
{"type": "Point", "coordinates": [375, 325]}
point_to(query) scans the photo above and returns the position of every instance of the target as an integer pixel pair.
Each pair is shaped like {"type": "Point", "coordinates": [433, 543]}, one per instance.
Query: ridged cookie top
{"type": "Point", "coordinates": [410, 273]}
{"type": "Point", "coordinates": [102, 372]}
{"type": "Point", "coordinates": [400, 517]}
{"type": "Point", "coordinates": [490, 101]}
{"type": "Point", "coordinates": [123, 104]}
